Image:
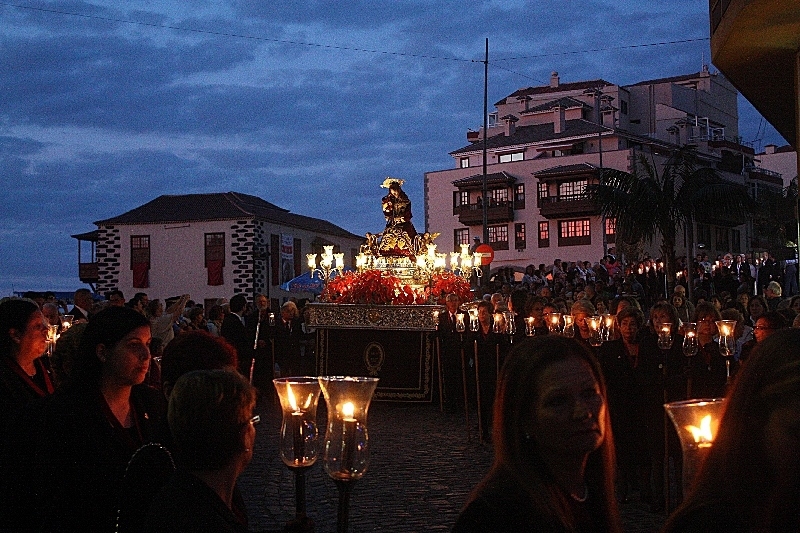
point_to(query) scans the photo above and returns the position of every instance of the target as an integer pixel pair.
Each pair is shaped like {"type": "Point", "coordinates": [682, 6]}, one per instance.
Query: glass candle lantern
{"type": "Point", "coordinates": [299, 437]}
{"type": "Point", "coordinates": [696, 422]}
{"type": "Point", "coordinates": [530, 327]}
{"type": "Point", "coordinates": [664, 331]}
{"type": "Point", "coordinates": [690, 345]}
{"type": "Point", "coordinates": [727, 343]}
{"type": "Point", "coordinates": [66, 322]}
{"type": "Point", "coordinates": [569, 326]}
{"type": "Point", "coordinates": [460, 326]}
{"type": "Point", "coordinates": [498, 323]}
{"type": "Point", "coordinates": [554, 322]}
{"type": "Point", "coordinates": [607, 327]}
{"type": "Point", "coordinates": [346, 454]}
{"type": "Point", "coordinates": [595, 324]}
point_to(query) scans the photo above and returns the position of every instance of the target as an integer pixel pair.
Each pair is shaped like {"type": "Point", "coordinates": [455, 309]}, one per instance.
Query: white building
{"type": "Point", "coordinates": [207, 245]}
{"type": "Point", "coordinates": [546, 144]}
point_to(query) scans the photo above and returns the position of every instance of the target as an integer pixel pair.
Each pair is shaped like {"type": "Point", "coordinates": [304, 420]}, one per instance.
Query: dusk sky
{"type": "Point", "coordinates": [309, 105]}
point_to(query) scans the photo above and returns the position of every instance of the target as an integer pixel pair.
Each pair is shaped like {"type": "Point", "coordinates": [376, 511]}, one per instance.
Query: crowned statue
{"type": "Point", "coordinates": [399, 235]}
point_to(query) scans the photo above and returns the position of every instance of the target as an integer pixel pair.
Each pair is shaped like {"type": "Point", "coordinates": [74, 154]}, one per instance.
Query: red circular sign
{"type": "Point", "coordinates": [488, 252]}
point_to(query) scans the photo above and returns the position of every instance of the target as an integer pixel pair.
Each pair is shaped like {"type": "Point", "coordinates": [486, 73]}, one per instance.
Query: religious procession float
{"type": "Point", "coordinates": [380, 320]}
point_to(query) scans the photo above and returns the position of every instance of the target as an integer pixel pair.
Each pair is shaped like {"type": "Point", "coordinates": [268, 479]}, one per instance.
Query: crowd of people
{"type": "Point", "coordinates": [131, 373]}
{"type": "Point", "coordinates": [123, 376]}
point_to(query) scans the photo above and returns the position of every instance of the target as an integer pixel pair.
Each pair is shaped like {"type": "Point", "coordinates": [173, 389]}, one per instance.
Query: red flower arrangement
{"type": "Point", "coordinates": [381, 288]}
{"type": "Point", "coordinates": [446, 282]}
{"type": "Point", "coordinates": [370, 287]}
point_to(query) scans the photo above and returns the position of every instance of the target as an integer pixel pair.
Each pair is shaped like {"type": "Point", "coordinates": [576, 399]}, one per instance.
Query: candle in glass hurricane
{"type": "Point", "coordinates": [530, 326]}
{"type": "Point", "coordinates": [473, 320]}
{"type": "Point", "coordinates": [690, 348]}
{"type": "Point", "coordinates": [460, 327]}
{"type": "Point", "coordinates": [511, 326]}
{"type": "Point", "coordinates": [554, 322]}
{"type": "Point", "coordinates": [727, 344]}
{"type": "Point", "coordinates": [498, 323]}
{"type": "Point", "coordinates": [569, 326]}
{"type": "Point", "coordinates": [299, 397]}
{"type": "Point", "coordinates": [346, 453]}
{"type": "Point", "coordinates": [595, 324]}
{"type": "Point", "coordinates": [607, 327]}
{"type": "Point", "coordinates": [664, 331]}
{"type": "Point", "coordinates": [66, 322]}
{"type": "Point", "coordinates": [346, 440]}
{"type": "Point", "coordinates": [52, 337]}
{"type": "Point", "coordinates": [696, 422]}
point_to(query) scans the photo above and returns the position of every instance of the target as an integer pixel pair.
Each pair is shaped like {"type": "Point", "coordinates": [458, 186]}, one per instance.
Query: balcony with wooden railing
{"type": "Point", "coordinates": [472, 214]}
{"type": "Point", "coordinates": [573, 205]}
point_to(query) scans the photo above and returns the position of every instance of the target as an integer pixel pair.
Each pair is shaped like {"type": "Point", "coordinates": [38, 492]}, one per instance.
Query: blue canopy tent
{"type": "Point", "coordinates": [305, 283]}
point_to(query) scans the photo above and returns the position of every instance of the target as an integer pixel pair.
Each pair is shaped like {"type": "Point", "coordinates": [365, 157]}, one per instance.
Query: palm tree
{"type": "Point", "coordinates": [648, 204]}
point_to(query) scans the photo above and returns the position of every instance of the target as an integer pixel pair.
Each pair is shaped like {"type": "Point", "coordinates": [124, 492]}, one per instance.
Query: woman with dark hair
{"type": "Point", "coordinates": [750, 480]}
{"type": "Point", "coordinates": [554, 453]}
{"type": "Point", "coordinates": [79, 440]}
{"type": "Point", "coordinates": [211, 419]}
{"type": "Point", "coordinates": [708, 370]}
{"type": "Point", "coordinates": [23, 340]}
{"type": "Point", "coordinates": [756, 307]}
{"type": "Point", "coordinates": [195, 350]}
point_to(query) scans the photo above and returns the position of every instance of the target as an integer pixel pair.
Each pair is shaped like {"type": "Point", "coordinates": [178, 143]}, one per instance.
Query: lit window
{"type": "Point", "coordinates": [544, 234]}
{"type": "Point", "coordinates": [543, 190]}
{"type": "Point", "coordinates": [519, 236]}
{"type": "Point", "coordinates": [574, 232]}
{"type": "Point", "coordinates": [460, 236]}
{"type": "Point", "coordinates": [498, 237]}
{"type": "Point", "coordinates": [572, 190]}
{"type": "Point", "coordinates": [464, 162]}
{"type": "Point", "coordinates": [498, 196]}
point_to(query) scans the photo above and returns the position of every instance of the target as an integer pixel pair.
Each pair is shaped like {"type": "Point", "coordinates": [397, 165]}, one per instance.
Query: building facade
{"type": "Point", "coordinates": [207, 245]}
{"type": "Point", "coordinates": [546, 144]}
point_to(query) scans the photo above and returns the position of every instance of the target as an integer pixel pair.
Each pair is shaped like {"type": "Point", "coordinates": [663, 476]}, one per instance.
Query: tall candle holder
{"type": "Point", "coordinates": [727, 344]}
{"type": "Point", "coordinates": [696, 422]}
{"type": "Point", "coordinates": [299, 437]}
{"type": "Point", "coordinates": [346, 455]}
{"type": "Point", "coordinates": [511, 326]}
{"type": "Point", "coordinates": [690, 348]}
{"type": "Point", "coordinates": [664, 331]}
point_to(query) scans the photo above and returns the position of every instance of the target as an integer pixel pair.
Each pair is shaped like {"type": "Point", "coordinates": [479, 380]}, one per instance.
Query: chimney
{"type": "Point", "coordinates": [554, 79]}
{"type": "Point", "coordinates": [510, 125]}
{"type": "Point", "coordinates": [559, 122]}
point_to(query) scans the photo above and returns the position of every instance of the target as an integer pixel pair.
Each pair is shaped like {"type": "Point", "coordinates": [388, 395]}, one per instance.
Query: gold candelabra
{"type": "Point", "coordinates": [330, 264]}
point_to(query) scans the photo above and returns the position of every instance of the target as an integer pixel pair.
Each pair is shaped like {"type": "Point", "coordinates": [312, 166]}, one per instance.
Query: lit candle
{"type": "Point", "coordinates": [298, 443]}
{"type": "Point", "coordinates": [312, 261]}
{"type": "Point", "coordinates": [348, 437]}
{"type": "Point", "coordinates": [530, 327]}
{"type": "Point", "coordinates": [453, 260]}
{"type": "Point", "coordinates": [460, 327]}
{"type": "Point", "coordinates": [66, 323]}
{"type": "Point", "coordinates": [339, 260]}
{"type": "Point", "coordinates": [702, 435]}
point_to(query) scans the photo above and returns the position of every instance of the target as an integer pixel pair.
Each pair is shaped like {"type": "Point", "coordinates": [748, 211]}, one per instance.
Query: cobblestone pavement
{"type": "Point", "coordinates": [422, 468]}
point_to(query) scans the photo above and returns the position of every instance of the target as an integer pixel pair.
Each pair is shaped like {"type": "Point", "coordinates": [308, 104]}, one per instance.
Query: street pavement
{"type": "Point", "coordinates": [422, 468]}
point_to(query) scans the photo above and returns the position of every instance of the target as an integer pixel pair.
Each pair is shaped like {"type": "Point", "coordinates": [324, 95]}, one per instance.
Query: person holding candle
{"type": "Point", "coordinates": [750, 480]}
{"type": "Point", "coordinates": [554, 460]}
{"type": "Point", "coordinates": [580, 311]}
{"type": "Point", "coordinates": [211, 419]}
{"type": "Point", "coordinates": [709, 370]}
{"type": "Point", "coordinates": [490, 349]}
{"type": "Point", "coordinates": [450, 344]}
{"type": "Point", "coordinates": [634, 403]}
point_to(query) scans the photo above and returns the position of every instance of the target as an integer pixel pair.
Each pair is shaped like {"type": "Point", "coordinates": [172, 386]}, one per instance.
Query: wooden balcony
{"type": "Point", "coordinates": [472, 214]}
{"type": "Point", "coordinates": [567, 207]}
{"type": "Point", "coordinates": [88, 272]}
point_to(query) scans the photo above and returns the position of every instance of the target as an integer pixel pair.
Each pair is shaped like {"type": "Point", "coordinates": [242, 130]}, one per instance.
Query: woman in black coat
{"type": "Point", "coordinates": [73, 446]}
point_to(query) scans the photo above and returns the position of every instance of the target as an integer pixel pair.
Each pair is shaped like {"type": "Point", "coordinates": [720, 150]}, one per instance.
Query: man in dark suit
{"type": "Point", "coordinates": [234, 331]}
{"type": "Point", "coordinates": [82, 307]}
{"type": "Point", "coordinates": [450, 349]}
{"type": "Point", "coordinates": [288, 333]}
{"type": "Point", "coordinates": [260, 323]}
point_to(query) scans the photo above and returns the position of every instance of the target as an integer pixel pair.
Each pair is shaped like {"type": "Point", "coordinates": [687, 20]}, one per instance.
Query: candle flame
{"type": "Point", "coordinates": [702, 434]}
{"type": "Point", "coordinates": [348, 409]}
{"type": "Point", "coordinates": [290, 395]}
